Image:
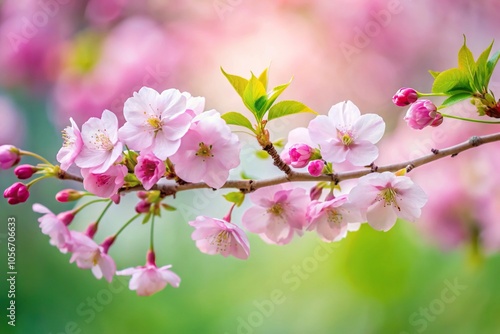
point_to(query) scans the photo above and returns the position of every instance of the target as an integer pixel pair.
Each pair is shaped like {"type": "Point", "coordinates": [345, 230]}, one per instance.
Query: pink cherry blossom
{"type": "Point", "coordinates": [300, 155]}
{"type": "Point", "coordinates": [315, 167]}
{"type": "Point", "coordinates": [149, 169]}
{"type": "Point", "coordinates": [149, 279]}
{"type": "Point", "coordinates": [217, 236]}
{"type": "Point", "coordinates": [346, 135]}
{"type": "Point", "coordinates": [17, 193]}
{"type": "Point", "coordinates": [404, 97]}
{"type": "Point", "coordinates": [208, 151]}
{"type": "Point", "coordinates": [53, 226]}
{"type": "Point", "coordinates": [101, 145]}
{"type": "Point", "coordinates": [279, 211]}
{"type": "Point", "coordinates": [383, 197]}
{"type": "Point", "coordinates": [9, 156]}
{"type": "Point", "coordinates": [72, 146]}
{"type": "Point", "coordinates": [25, 171]}
{"type": "Point", "coordinates": [195, 105]}
{"type": "Point", "coordinates": [333, 218]}
{"type": "Point", "coordinates": [422, 114]}
{"type": "Point", "coordinates": [104, 184]}
{"type": "Point", "coordinates": [89, 255]}
{"type": "Point", "coordinates": [155, 122]}
{"type": "Point", "coordinates": [296, 136]}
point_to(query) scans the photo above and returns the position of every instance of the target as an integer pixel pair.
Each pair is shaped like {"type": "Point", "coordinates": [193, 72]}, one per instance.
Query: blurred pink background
{"type": "Point", "coordinates": [75, 59]}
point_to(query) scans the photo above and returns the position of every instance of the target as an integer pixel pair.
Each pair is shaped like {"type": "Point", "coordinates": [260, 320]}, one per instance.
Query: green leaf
{"type": "Point", "coordinates": [482, 68]}
{"type": "Point", "coordinates": [490, 66]}
{"type": "Point", "coordinates": [263, 78]}
{"type": "Point", "coordinates": [168, 207]}
{"type": "Point", "coordinates": [254, 97]}
{"type": "Point", "coordinates": [146, 218]}
{"type": "Point", "coordinates": [450, 80]}
{"type": "Point", "coordinates": [238, 83]}
{"type": "Point", "coordinates": [284, 108]}
{"type": "Point", "coordinates": [245, 176]}
{"type": "Point", "coordinates": [467, 64]}
{"type": "Point", "coordinates": [236, 197]}
{"type": "Point", "coordinates": [262, 155]}
{"type": "Point", "coordinates": [235, 118]}
{"type": "Point", "coordinates": [434, 73]}
{"type": "Point", "coordinates": [273, 95]}
{"type": "Point", "coordinates": [456, 98]}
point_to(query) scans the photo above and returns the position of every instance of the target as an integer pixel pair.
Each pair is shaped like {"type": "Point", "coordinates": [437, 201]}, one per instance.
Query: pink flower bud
{"type": "Point", "coordinates": [107, 243]}
{"type": "Point", "coordinates": [16, 193]}
{"type": "Point", "coordinates": [24, 172]}
{"type": "Point", "coordinates": [423, 113]}
{"type": "Point", "coordinates": [9, 156]}
{"type": "Point", "coordinates": [315, 193]}
{"type": "Point", "coordinates": [69, 195]}
{"type": "Point", "coordinates": [142, 207]}
{"type": "Point", "coordinates": [405, 96]}
{"type": "Point", "coordinates": [300, 155]}
{"type": "Point", "coordinates": [91, 230]}
{"type": "Point", "coordinates": [66, 217]}
{"type": "Point", "coordinates": [315, 167]}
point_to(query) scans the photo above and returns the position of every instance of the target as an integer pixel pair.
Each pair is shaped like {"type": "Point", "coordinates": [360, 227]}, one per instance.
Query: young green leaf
{"type": "Point", "coordinates": [434, 73]}
{"type": "Point", "coordinates": [456, 98]}
{"type": "Point", "coordinates": [275, 93]}
{"type": "Point", "coordinates": [263, 78]}
{"type": "Point", "coordinates": [235, 118]}
{"type": "Point", "coordinates": [262, 154]}
{"type": "Point", "coordinates": [284, 108]}
{"type": "Point", "coordinates": [490, 66]}
{"type": "Point", "coordinates": [467, 64]}
{"type": "Point", "coordinates": [254, 97]}
{"type": "Point", "coordinates": [168, 207]}
{"type": "Point", "coordinates": [450, 80]}
{"type": "Point", "coordinates": [236, 197]}
{"type": "Point", "coordinates": [238, 83]}
{"type": "Point", "coordinates": [245, 176]}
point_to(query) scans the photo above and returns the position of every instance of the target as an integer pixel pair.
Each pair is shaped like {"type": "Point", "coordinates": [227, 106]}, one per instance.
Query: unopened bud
{"type": "Point", "coordinates": [69, 195]}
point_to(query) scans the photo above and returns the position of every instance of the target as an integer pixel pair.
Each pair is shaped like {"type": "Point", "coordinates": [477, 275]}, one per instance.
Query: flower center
{"type": "Point", "coordinates": [276, 209]}
{"type": "Point", "coordinates": [221, 240]}
{"type": "Point", "coordinates": [102, 141]}
{"type": "Point", "coordinates": [388, 195]}
{"type": "Point", "coordinates": [334, 217]}
{"type": "Point", "coordinates": [149, 168]}
{"type": "Point", "coordinates": [204, 151]}
{"type": "Point", "coordinates": [155, 123]}
{"type": "Point", "coordinates": [67, 138]}
{"type": "Point", "coordinates": [102, 180]}
{"type": "Point", "coordinates": [346, 139]}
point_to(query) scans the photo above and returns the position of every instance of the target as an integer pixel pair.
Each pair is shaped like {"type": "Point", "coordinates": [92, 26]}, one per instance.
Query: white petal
{"type": "Point", "coordinates": [381, 217]}
{"type": "Point", "coordinates": [362, 153]}
{"type": "Point", "coordinates": [344, 115]}
{"type": "Point", "coordinates": [369, 127]}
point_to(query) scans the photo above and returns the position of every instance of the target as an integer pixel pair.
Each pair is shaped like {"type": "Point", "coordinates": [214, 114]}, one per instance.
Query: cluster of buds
{"type": "Point", "coordinates": [422, 113]}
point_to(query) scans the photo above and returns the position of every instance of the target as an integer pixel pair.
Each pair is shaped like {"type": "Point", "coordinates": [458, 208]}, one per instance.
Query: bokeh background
{"type": "Point", "coordinates": [63, 58]}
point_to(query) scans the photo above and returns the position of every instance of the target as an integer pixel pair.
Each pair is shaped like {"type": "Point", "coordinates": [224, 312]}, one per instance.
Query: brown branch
{"type": "Point", "coordinates": [277, 159]}
{"type": "Point", "coordinates": [247, 186]}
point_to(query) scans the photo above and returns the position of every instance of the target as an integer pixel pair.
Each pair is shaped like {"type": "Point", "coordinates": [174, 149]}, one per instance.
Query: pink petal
{"type": "Point", "coordinates": [362, 153]}
{"type": "Point", "coordinates": [369, 127]}
{"type": "Point", "coordinates": [255, 220]}
{"type": "Point", "coordinates": [344, 115]}
{"type": "Point", "coordinates": [381, 217]}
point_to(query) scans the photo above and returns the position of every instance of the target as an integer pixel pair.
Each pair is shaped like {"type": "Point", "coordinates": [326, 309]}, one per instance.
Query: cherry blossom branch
{"type": "Point", "coordinates": [247, 186]}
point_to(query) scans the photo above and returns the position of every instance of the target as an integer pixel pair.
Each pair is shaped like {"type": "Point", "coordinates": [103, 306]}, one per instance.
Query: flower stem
{"type": "Point", "coordinates": [32, 182]}
{"type": "Point", "coordinates": [103, 212]}
{"type": "Point", "coordinates": [469, 119]}
{"type": "Point", "coordinates": [431, 94]}
{"type": "Point", "coordinates": [151, 237]}
{"type": "Point", "coordinates": [89, 203]}
{"type": "Point", "coordinates": [34, 155]}
{"type": "Point", "coordinates": [126, 224]}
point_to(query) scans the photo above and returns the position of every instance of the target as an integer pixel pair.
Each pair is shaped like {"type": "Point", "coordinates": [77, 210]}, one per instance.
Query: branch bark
{"type": "Point", "coordinates": [247, 186]}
